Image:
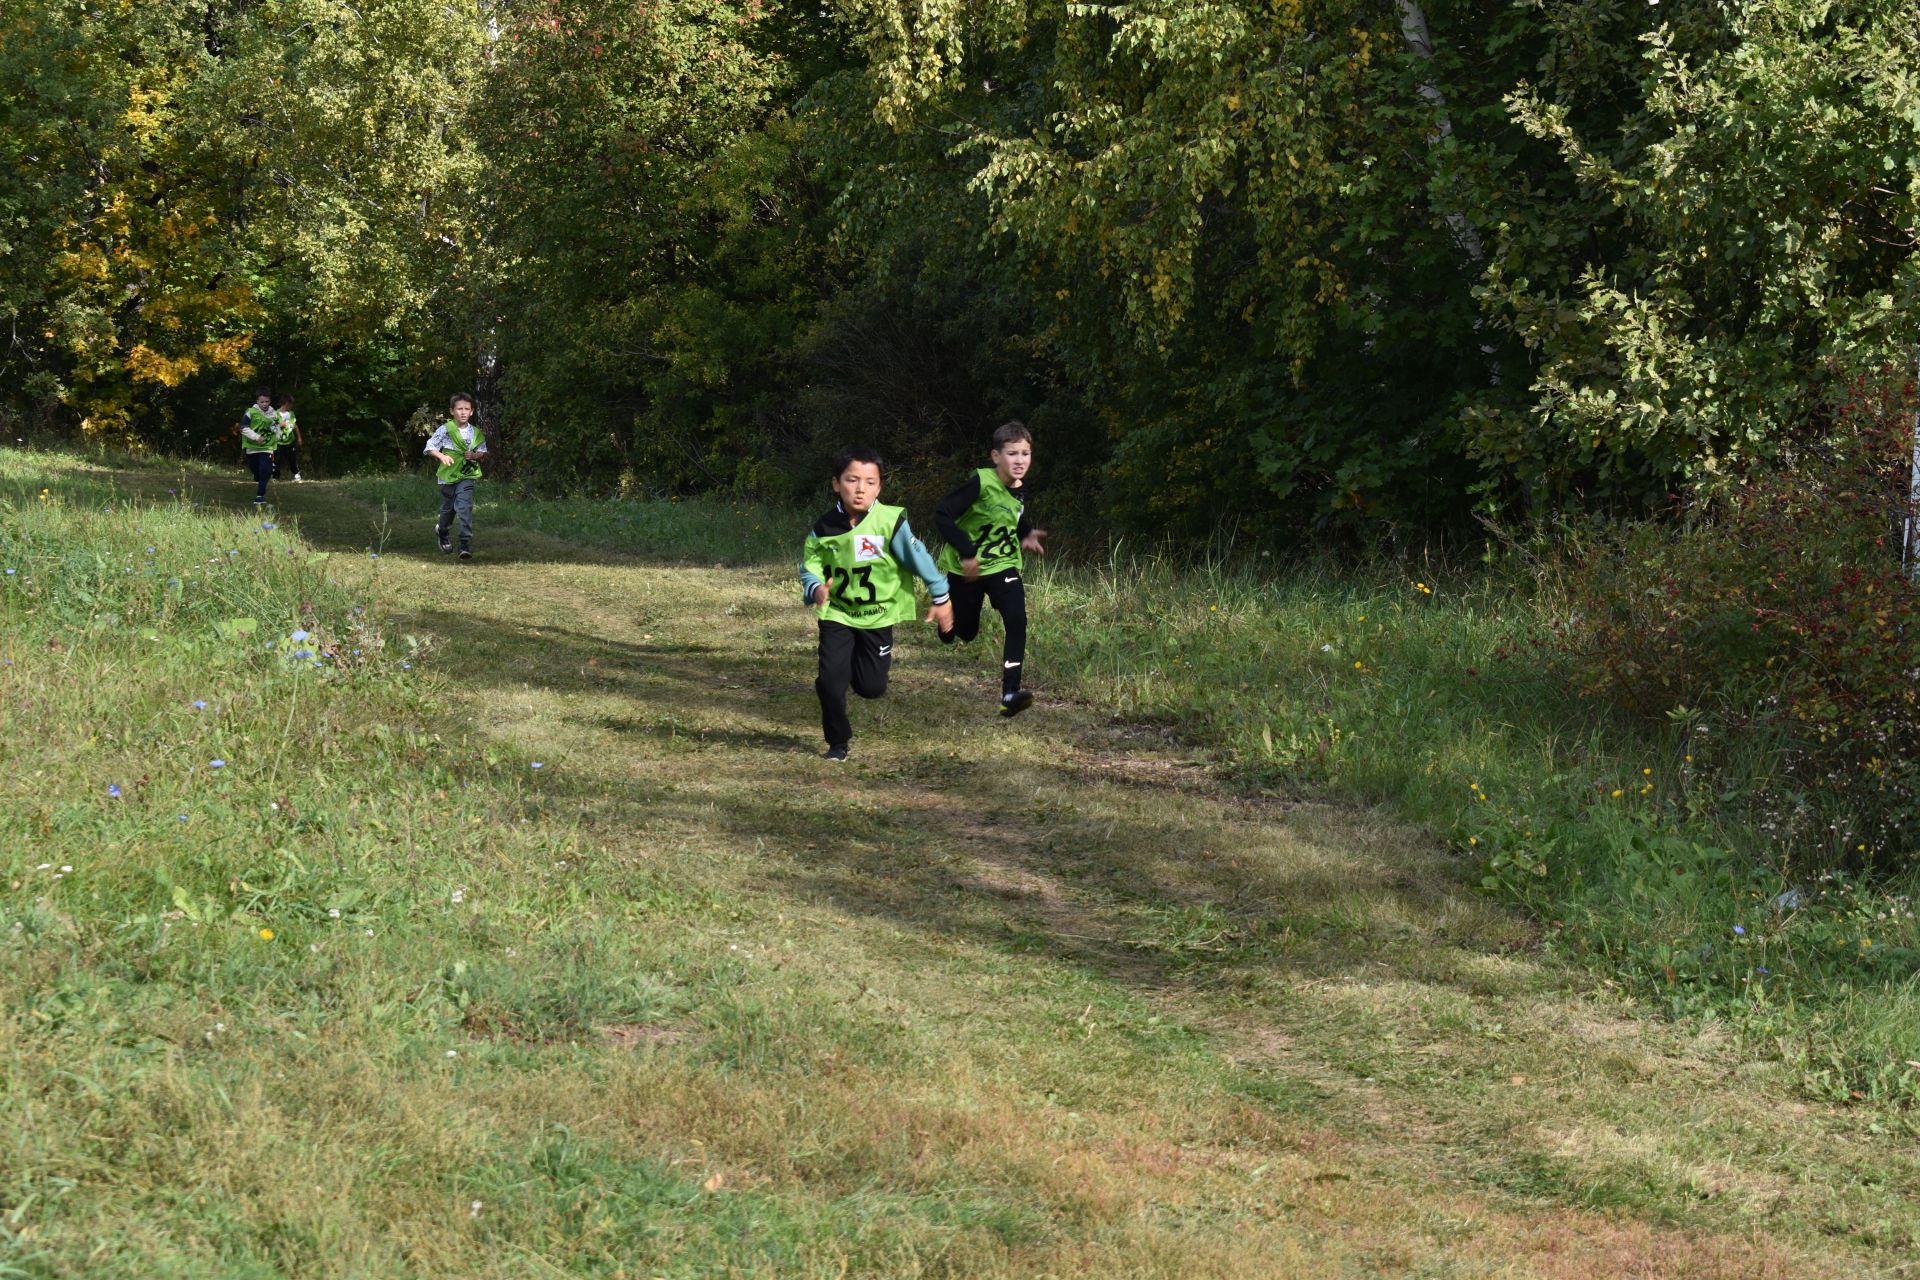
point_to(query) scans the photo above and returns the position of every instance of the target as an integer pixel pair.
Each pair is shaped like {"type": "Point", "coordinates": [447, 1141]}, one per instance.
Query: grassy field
{"type": "Point", "coordinates": [526, 934]}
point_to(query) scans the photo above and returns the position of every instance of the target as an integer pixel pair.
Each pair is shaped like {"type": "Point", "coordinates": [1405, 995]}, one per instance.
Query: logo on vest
{"type": "Point", "coordinates": [867, 547]}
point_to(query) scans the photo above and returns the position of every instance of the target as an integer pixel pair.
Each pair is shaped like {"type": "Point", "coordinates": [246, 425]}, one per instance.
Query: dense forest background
{"type": "Point", "coordinates": [1311, 265]}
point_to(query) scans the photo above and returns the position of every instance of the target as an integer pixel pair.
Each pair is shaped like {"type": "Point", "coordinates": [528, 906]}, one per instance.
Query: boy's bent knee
{"type": "Point", "coordinates": [871, 689]}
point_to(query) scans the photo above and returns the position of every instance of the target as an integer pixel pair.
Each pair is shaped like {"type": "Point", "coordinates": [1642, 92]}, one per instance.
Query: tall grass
{"type": "Point", "coordinates": [1435, 693]}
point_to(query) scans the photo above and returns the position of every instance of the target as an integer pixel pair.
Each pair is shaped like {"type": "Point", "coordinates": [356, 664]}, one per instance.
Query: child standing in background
{"type": "Point", "coordinates": [258, 436]}
{"type": "Point", "coordinates": [287, 454]}
{"type": "Point", "coordinates": [985, 527]}
{"type": "Point", "coordinates": [854, 570]}
{"type": "Point", "coordinates": [457, 446]}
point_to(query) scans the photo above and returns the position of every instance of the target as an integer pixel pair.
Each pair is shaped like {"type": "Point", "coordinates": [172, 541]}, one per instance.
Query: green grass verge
{"type": "Point", "coordinates": [1437, 695]}
{"type": "Point", "coordinates": [996, 999]}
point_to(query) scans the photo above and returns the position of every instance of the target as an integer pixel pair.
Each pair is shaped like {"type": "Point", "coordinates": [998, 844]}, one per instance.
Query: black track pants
{"type": "Point", "coordinates": [852, 656]}
{"type": "Point", "coordinates": [1009, 596]}
{"type": "Point", "coordinates": [260, 466]}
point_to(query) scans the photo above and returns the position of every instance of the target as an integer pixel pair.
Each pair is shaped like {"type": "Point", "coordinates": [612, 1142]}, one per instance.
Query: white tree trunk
{"type": "Point", "coordinates": [1413, 29]}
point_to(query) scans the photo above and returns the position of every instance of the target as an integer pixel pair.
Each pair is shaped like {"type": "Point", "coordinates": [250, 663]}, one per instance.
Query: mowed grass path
{"type": "Point", "coordinates": [1037, 998]}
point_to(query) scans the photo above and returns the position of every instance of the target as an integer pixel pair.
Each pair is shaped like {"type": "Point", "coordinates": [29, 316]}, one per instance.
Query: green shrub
{"type": "Point", "coordinates": [1774, 613]}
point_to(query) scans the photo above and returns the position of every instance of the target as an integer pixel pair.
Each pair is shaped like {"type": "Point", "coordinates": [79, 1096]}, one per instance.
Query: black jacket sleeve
{"type": "Point", "coordinates": [946, 516]}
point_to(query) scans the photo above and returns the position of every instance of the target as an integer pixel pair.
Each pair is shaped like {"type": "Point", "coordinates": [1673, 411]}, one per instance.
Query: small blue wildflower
{"type": "Point", "coordinates": [406, 666]}
{"type": "Point", "coordinates": [269, 525]}
{"type": "Point", "coordinates": [297, 636]}
{"type": "Point", "coordinates": [11, 572]}
{"type": "Point", "coordinates": [216, 764]}
{"type": "Point", "coordinates": [1740, 930]}
{"type": "Point", "coordinates": [113, 789]}
{"type": "Point", "coordinates": [149, 550]}
{"type": "Point", "coordinates": [373, 555]}
{"type": "Point", "coordinates": [199, 704]}
{"type": "Point", "coordinates": [268, 644]}
{"type": "Point", "coordinates": [233, 553]}
{"type": "Point", "coordinates": [356, 653]}
{"type": "Point", "coordinates": [183, 817]}
{"type": "Point", "coordinates": [538, 765]}
{"type": "Point", "coordinates": [303, 653]}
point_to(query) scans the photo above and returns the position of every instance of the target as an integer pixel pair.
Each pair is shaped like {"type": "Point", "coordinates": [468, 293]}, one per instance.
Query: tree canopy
{"type": "Point", "coordinates": [1313, 264]}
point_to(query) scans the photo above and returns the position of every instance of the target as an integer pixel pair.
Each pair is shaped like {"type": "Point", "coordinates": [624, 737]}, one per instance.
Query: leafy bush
{"type": "Point", "coordinates": [1776, 610]}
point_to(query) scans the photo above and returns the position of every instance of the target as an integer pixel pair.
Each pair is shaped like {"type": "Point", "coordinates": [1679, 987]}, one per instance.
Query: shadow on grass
{"type": "Point", "coordinates": [1100, 855]}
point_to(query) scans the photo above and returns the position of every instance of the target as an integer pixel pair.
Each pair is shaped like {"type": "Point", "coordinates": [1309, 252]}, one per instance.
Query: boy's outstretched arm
{"type": "Point", "coordinates": [813, 573]}
{"type": "Point", "coordinates": [911, 552]}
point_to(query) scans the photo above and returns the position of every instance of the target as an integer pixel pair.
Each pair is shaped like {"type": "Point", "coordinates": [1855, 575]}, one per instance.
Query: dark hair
{"type": "Point", "coordinates": [286, 402]}
{"type": "Point", "coordinates": [458, 396]}
{"type": "Point", "coordinates": [858, 453]}
{"type": "Point", "coordinates": [263, 392]}
{"type": "Point", "coordinates": [1009, 431]}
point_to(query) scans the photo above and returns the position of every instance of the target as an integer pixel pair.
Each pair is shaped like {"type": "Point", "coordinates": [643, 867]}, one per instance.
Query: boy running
{"type": "Point", "coordinates": [287, 454]}
{"type": "Point", "coordinates": [985, 526]}
{"type": "Point", "coordinates": [258, 436]}
{"type": "Point", "coordinates": [854, 570]}
{"type": "Point", "coordinates": [457, 446]}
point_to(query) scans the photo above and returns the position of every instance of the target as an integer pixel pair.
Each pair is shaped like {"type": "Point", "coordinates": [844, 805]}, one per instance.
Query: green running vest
{"type": "Point", "coordinates": [866, 588]}
{"type": "Point", "coordinates": [462, 467]}
{"type": "Point", "coordinates": [266, 424]}
{"type": "Point", "coordinates": [993, 522]}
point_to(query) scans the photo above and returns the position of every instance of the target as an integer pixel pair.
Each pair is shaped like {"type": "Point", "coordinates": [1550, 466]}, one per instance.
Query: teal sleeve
{"type": "Point", "coordinates": [811, 569]}
{"type": "Point", "coordinates": [909, 551]}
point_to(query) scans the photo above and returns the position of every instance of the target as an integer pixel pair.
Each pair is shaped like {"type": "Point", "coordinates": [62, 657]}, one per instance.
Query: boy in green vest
{"type": "Point", "coordinates": [458, 447]}
{"type": "Point", "coordinates": [854, 570]}
{"type": "Point", "coordinates": [286, 453]}
{"type": "Point", "coordinates": [258, 436]}
{"type": "Point", "coordinates": [985, 527]}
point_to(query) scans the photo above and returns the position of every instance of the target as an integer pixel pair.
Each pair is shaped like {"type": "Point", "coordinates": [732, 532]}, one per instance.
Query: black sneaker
{"type": "Point", "coordinates": [837, 754]}
{"type": "Point", "coordinates": [446, 548]}
{"type": "Point", "coordinates": [1012, 704]}
{"type": "Point", "coordinates": [259, 502]}
{"type": "Point", "coordinates": [465, 554]}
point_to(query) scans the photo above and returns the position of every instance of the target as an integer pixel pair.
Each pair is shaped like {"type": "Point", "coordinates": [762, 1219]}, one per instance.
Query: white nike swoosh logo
{"type": "Point", "coordinates": [885, 649]}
